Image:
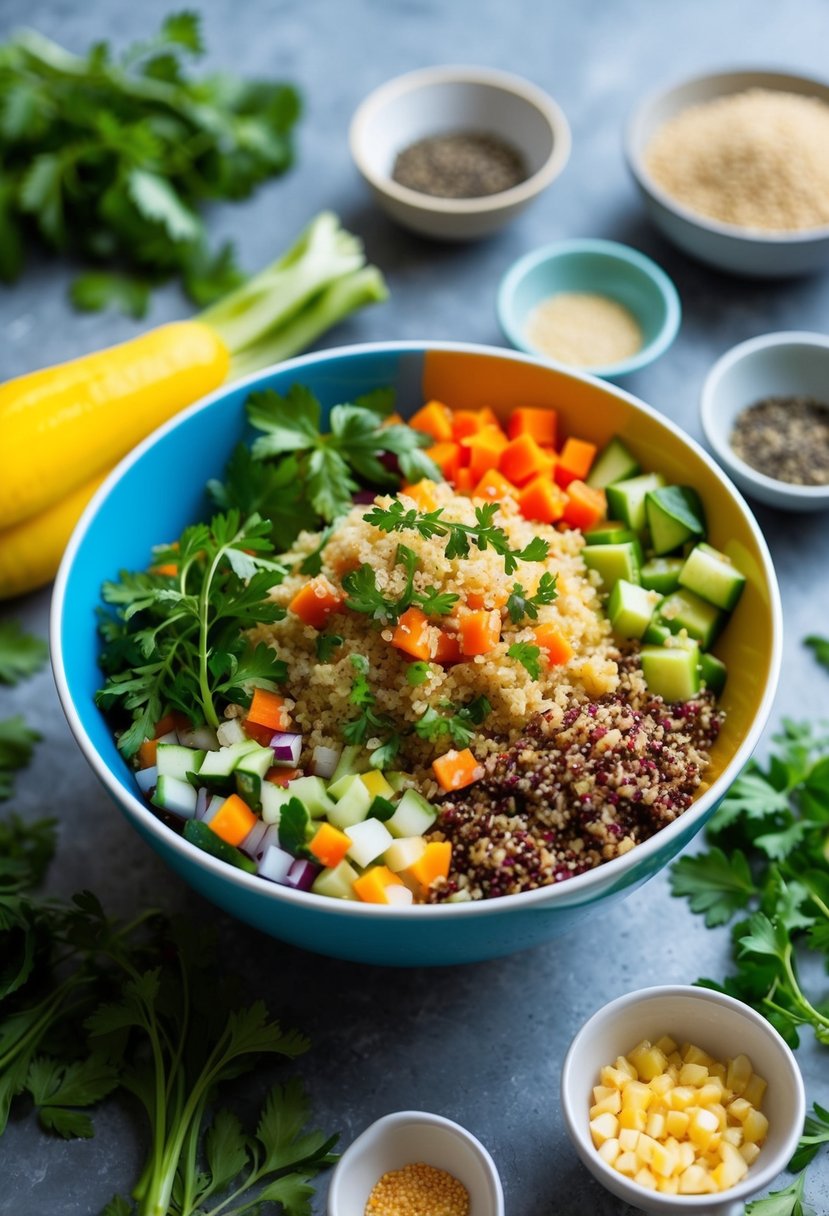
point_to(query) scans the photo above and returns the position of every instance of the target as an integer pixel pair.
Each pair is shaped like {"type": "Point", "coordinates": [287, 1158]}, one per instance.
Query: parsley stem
{"type": "Point", "coordinates": [210, 715]}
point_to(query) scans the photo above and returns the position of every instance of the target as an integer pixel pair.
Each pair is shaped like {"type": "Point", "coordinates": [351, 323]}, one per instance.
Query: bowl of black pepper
{"type": "Point", "coordinates": [454, 153]}
{"type": "Point", "coordinates": [765, 414]}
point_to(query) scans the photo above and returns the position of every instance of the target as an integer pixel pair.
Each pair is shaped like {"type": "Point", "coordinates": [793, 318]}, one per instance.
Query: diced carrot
{"type": "Point", "coordinates": [553, 643]}
{"type": "Point", "coordinates": [478, 599]}
{"type": "Point", "coordinates": [485, 450]}
{"type": "Point", "coordinates": [574, 461]}
{"type": "Point", "coordinates": [464, 481]}
{"type": "Point", "coordinates": [281, 776]}
{"type": "Point", "coordinates": [268, 709]}
{"type": "Point", "coordinates": [522, 459]}
{"type": "Point", "coordinates": [413, 634]}
{"type": "Point", "coordinates": [170, 722]}
{"type": "Point", "coordinates": [329, 845]}
{"type": "Point", "coordinates": [542, 501]}
{"type": "Point", "coordinates": [148, 753]}
{"type": "Point", "coordinates": [422, 493]}
{"type": "Point", "coordinates": [447, 456]}
{"type": "Point", "coordinates": [466, 422]}
{"type": "Point", "coordinates": [542, 424]}
{"type": "Point", "coordinates": [262, 734]}
{"type": "Point", "coordinates": [371, 886]}
{"type": "Point", "coordinates": [454, 770]}
{"type": "Point", "coordinates": [433, 419]}
{"type": "Point", "coordinates": [233, 820]}
{"type": "Point", "coordinates": [393, 420]}
{"type": "Point", "coordinates": [316, 602]}
{"type": "Point", "coordinates": [585, 506]}
{"type": "Point", "coordinates": [494, 486]}
{"type": "Point", "coordinates": [480, 631]}
{"type": "Point", "coordinates": [432, 863]}
{"type": "Point", "coordinates": [170, 569]}
{"type": "Point", "coordinates": [448, 649]}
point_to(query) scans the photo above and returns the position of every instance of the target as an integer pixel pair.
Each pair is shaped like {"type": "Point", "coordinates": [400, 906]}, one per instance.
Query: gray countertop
{"type": "Point", "coordinates": [481, 1044]}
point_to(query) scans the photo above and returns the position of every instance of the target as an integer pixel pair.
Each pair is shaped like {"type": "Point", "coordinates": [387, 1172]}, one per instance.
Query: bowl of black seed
{"type": "Point", "coordinates": [765, 414]}
{"type": "Point", "coordinates": [455, 153]}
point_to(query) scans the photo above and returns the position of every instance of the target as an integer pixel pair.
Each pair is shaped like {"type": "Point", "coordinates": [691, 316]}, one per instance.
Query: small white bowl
{"type": "Point", "coordinates": [440, 100]}
{"type": "Point", "coordinates": [406, 1137]}
{"type": "Point", "coordinates": [728, 247]}
{"type": "Point", "coordinates": [774, 365]}
{"type": "Point", "coordinates": [718, 1024]}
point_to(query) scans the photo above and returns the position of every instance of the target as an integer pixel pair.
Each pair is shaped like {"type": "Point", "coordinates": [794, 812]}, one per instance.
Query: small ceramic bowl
{"type": "Point", "coordinates": [440, 100]}
{"type": "Point", "coordinates": [740, 251]}
{"type": "Point", "coordinates": [406, 1137]}
{"type": "Point", "coordinates": [597, 267]}
{"type": "Point", "coordinates": [779, 364]}
{"type": "Point", "coordinates": [718, 1024]}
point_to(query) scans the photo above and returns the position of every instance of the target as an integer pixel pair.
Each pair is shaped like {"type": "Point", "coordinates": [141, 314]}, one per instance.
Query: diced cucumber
{"type": "Point", "coordinates": [217, 767]}
{"type": "Point", "coordinates": [398, 781]}
{"type": "Point", "coordinates": [351, 808]}
{"type": "Point", "coordinates": [353, 759]}
{"type": "Point", "coordinates": [312, 794]}
{"type": "Point", "coordinates": [671, 672]}
{"type": "Point", "coordinates": [614, 463]}
{"type": "Point", "coordinates": [174, 795]}
{"type": "Point", "coordinates": [713, 673]}
{"type": "Point", "coordinates": [203, 737]}
{"type": "Point", "coordinates": [200, 835]}
{"type": "Point", "coordinates": [613, 562]}
{"type": "Point", "coordinates": [273, 798]}
{"type": "Point", "coordinates": [174, 760]}
{"type": "Point", "coordinates": [686, 610]}
{"type": "Point", "coordinates": [413, 815]}
{"type": "Point", "coordinates": [713, 576]}
{"type": "Point", "coordinates": [626, 499]}
{"type": "Point", "coordinates": [630, 608]}
{"type": "Point", "coordinates": [368, 840]}
{"type": "Point", "coordinates": [342, 785]}
{"type": "Point", "coordinates": [674, 515]}
{"type": "Point", "coordinates": [338, 883]}
{"type": "Point", "coordinates": [249, 774]}
{"type": "Point", "coordinates": [610, 533]}
{"type": "Point", "coordinates": [661, 574]}
{"type": "Point", "coordinates": [404, 852]}
{"type": "Point", "coordinates": [656, 633]}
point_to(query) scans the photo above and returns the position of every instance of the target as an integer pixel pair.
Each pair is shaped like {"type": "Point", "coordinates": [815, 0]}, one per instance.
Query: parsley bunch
{"type": "Point", "coordinates": [21, 655]}
{"type": "Point", "coordinates": [459, 725]}
{"type": "Point", "coordinates": [111, 156]}
{"type": "Point", "coordinates": [177, 641]}
{"type": "Point", "coordinates": [365, 596]}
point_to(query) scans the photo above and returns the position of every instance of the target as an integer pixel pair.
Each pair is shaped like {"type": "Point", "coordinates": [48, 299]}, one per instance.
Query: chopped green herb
{"type": "Point", "coordinates": [815, 1134]}
{"type": "Point", "coordinates": [528, 655]}
{"type": "Point", "coordinates": [820, 646]}
{"type": "Point", "coordinates": [418, 673]}
{"type": "Point", "coordinates": [364, 595]}
{"type": "Point", "coordinates": [21, 654]}
{"type": "Point", "coordinates": [293, 819]}
{"type": "Point", "coordinates": [459, 725]}
{"type": "Point", "coordinates": [17, 742]}
{"type": "Point", "coordinates": [326, 644]}
{"type": "Point", "coordinates": [520, 604]}
{"type": "Point", "coordinates": [368, 722]}
{"type": "Point", "coordinates": [788, 1202]}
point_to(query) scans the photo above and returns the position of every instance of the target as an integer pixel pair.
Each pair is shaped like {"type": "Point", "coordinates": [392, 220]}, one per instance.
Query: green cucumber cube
{"type": "Point", "coordinates": [700, 620]}
{"type": "Point", "coordinates": [399, 781]}
{"type": "Point", "coordinates": [352, 807]}
{"type": "Point", "coordinates": [614, 463]}
{"type": "Point", "coordinates": [273, 798]}
{"type": "Point", "coordinates": [630, 608]}
{"type": "Point", "coordinates": [249, 774]}
{"type": "Point", "coordinates": [368, 840]}
{"type": "Point", "coordinates": [353, 759]}
{"type": "Point", "coordinates": [713, 673]}
{"type": "Point", "coordinates": [176, 796]}
{"type": "Point", "coordinates": [413, 815]}
{"type": "Point", "coordinates": [674, 515]}
{"type": "Point", "coordinates": [656, 633]}
{"type": "Point", "coordinates": [173, 760]}
{"type": "Point", "coordinates": [217, 767]}
{"type": "Point", "coordinates": [713, 576]}
{"type": "Point", "coordinates": [341, 786]}
{"type": "Point", "coordinates": [610, 533]}
{"type": "Point", "coordinates": [404, 852]}
{"type": "Point", "coordinates": [626, 499]}
{"type": "Point", "coordinates": [312, 794]}
{"type": "Point", "coordinates": [671, 672]}
{"type": "Point", "coordinates": [661, 574]}
{"type": "Point", "coordinates": [338, 883]}
{"type": "Point", "coordinates": [613, 562]}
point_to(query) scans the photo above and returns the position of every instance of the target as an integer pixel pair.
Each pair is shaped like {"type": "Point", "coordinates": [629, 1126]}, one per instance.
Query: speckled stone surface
{"type": "Point", "coordinates": [481, 1044]}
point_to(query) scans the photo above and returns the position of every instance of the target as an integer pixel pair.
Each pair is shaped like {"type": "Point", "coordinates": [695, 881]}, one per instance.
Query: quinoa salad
{"type": "Point", "coordinates": [464, 658]}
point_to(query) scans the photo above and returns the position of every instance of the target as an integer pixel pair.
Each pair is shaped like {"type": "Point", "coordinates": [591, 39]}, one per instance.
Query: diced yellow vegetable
{"type": "Point", "coordinates": [627, 1163]}
{"type": "Point", "coordinates": [604, 1127]}
{"type": "Point", "coordinates": [702, 1127]}
{"type": "Point", "coordinates": [609, 1150]}
{"type": "Point", "coordinates": [602, 1091]}
{"type": "Point", "coordinates": [676, 1123]}
{"type": "Point", "coordinates": [666, 1045]}
{"type": "Point", "coordinates": [733, 1135]}
{"type": "Point", "coordinates": [645, 1178]}
{"type": "Point", "coordinates": [376, 784]}
{"type": "Point", "coordinates": [738, 1073]}
{"type": "Point", "coordinates": [740, 1109]}
{"type": "Point", "coordinates": [655, 1126]}
{"type": "Point", "coordinates": [693, 1074]}
{"type": "Point", "coordinates": [682, 1096]}
{"type": "Point", "coordinates": [625, 1065]}
{"type": "Point", "coordinates": [648, 1060]}
{"type": "Point", "coordinates": [612, 1103]}
{"type": "Point", "coordinates": [664, 1161]}
{"type": "Point", "coordinates": [633, 1117]}
{"type": "Point", "coordinates": [755, 1127]}
{"type": "Point", "coordinates": [731, 1169]}
{"type": "Point", "coordinates": [749, 1153]}
{"type": "Point", "coordinates": [613, 1077]}
{"type": "Point", "coordinates": [711, 1092]}
{"type": "Point", "coordinates": [637, 1096]}
{"type": "Point", "coordinates": [668, 1186]}
{"type": "Point", "coordinates": [628, 1139]}
{"type": "Point", "coordinates": [755, 1090]}
{"type": "Point", "coordinates": [696, 1180]}
{"type": "Point", "coordinates": [662, 1083]}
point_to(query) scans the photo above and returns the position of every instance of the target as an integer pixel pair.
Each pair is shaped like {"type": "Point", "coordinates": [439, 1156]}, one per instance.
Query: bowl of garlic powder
{"type": "Point", "coordinates": [733, 168]}
{"type": "Point", "coordinates": [595, 305]}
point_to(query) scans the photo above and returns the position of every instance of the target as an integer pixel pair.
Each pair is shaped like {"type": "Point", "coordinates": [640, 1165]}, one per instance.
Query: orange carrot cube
{"type": "Point", "coordinates": [268, 709]}
{"type": "Point", "coordinates": [371, 886]}
{"type": "Point", "coordinates": [448, 649]}
{"type": "Point", "coordinates": [494, 486]}
{"type": "Point", "coordinates": [447, 456]}
{"type": "Point", "coordinates": [464, 481]}
{"type": "Point", "coordinates": [485, 450]}
{"type": "Point", "coordinates": [170, 722]}
{"type": "Point", "coordinates": [422, 493]}
{"type": "Point", "coordinates": [282, 776]}
{"type": "Point", "coordinates": [433, 419]}
{"type": "Point", "coordinates": [433, 863]}
{"type": "Point", "coordinates": [413, 634]}
{"type": "Point", "coordinates": [585, 506]}
{"type": "Point", "coordinates": [542, 501]}
{"type": "Point", "coordinates": [574, 461]}
{"type": "Point", "coordinates": [522, 459]}
{"type": "Point", "coordinates": [480, 631]}
{"type": "Point", "coordinates": [542, 424]}
{"type": "Point", "coordinates": [233, 820]}
{"type": "Point", "coordinates": [148, 753]}
{"type": "Point", "coordinates": [316, 602]}
{"type": "Point", "coordinates": [329, 845]}
{"type": "Point", "coordinates": [553, 642]}
{"type": "Point", "coordinates": [455, 770]}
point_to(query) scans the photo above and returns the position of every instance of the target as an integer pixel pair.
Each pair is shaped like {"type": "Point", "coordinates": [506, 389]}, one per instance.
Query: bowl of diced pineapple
{"type": "Point", "coordinates": [682, 1098]}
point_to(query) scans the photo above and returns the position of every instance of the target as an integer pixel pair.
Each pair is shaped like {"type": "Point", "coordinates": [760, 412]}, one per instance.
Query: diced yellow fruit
{"type": "Point", "coordinates": [628, 1139]}
{"type": "Point", "coordinates": [604, 1127]}
{"type": "Point", "coordinates": [645, 1178]}
{"type": "Point", "coordinates": [673, 1072]}
{"type": "Point", "coordinates": [719, 1110]}
{"type": "Point", "coordinates": [755, 1127]}
{"type": "Point", "coordinates": [664, 1160]}
{"type": "Point", "coordinates": [733, 1135]}
{"type": "Point", "coordinates": [682, 1096]}
{"type": "Point", "coordinates": [602, 1091]}
{"type": "Point", "coordinates": [648, 1060]}
{"type": "Point", "coordinates": [695, 1180]}
{"type": "Point", "coordinates": [633, 1118]}
{"type": "Point", "coordinates": [661, 1083]}
{"type": "Point", "coordinates": [749, 1153]}
{"type": "Point", "coordinates": [625, 1064]}
{"type": "Point", "coordinates": [655, 1125]}
{"type": "Point", "coordinates": [755, 1090]}
{"type": "Point", "coordinates": [693, 1074]}
{"type": "Point", "coordinates": [612, 1103]}
{"type": "Point", "coordinates": [376, 784]}
{"type": "Point", "coordinates": [686, 1154]}
{"type": "Point", "coordinates": [731, 1169]}
{"type": "Point", "coordinates": [676, 1059]}
{"type": "Point", "coordinates": [668, 1186]}
{"type": "Point", "coordinates": [644, 1148]}
{"type": "Point", "coordinates": [718, 1070]}
{"type": "Point", "coordinates": [702, 1127]}
{"type": "Point", "coordinates": [609, 1150]}
{"type": "Point", "coordinates": [666, 1044]}
{"type": "Point", "coordinates": [738, 1073]}
{"type": "Point", "coordinates": [627, 1163]}
{"type": "Point", "coordinates": [739, 1109]}
{"type": "Point", "coordinates": [691, 1054]}
{"type": "Point", "coordinates": [637, 1096]}
{"type": "Point", "coordinates": [613, 1077]}
{"type": "Point", "coordinates": [710, 1093]}
{"type": "Point", "coordinates": [676, 1123]}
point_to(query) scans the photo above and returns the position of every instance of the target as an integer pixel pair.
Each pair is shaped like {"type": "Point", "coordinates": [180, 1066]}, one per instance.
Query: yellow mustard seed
{"type": "Point", "coordinates": [418, 1190]}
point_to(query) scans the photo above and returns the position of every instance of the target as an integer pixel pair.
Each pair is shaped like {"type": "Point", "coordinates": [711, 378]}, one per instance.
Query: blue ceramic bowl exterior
{"type": "Point", "coordinates": [159, 489]}
{"type": "Point", "coordinates": [598, 267]}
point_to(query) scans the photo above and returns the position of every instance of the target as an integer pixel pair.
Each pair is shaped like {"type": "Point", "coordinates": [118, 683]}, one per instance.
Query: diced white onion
{"type": "Point", "coordinates": [170, 737]}
{"type": "Point", "coordinates": [202, 799]}
{"type": "Point", "coordinates": [229, 732]}
{"type": "Point", "coordinates": [146, 778]}
{"type": "Point", "coordinates": [215, 803]}
{"type": "Point", "coordinates": [203, 738]}
{"type": "Point", "coordinates": [275, 864]}
{"type": "Point", "coordinates": [396, 893]}
{"type": "Point", "coordinates": [252, 842]}
{"type": "Point", "coordinates": [301, 874]}
{"type": "Point", "coordinates": [324, 760]}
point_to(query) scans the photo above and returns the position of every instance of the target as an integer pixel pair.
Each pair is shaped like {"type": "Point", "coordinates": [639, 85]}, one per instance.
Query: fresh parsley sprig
{"type": "Point", "coordinates": [365, 596]}
{"type": "Point", "coordinates": [483, 534]}
{"type": "Point", "coordinates": [528, 655]}
{"type": "Point", "coordinates": [368, 721]}
{"type": "Point", "coordinates": [520, 604]}
{"type": "Point", "coordinates": [459, 725]}
{"type": "Point", "coordinates": [21, 654]}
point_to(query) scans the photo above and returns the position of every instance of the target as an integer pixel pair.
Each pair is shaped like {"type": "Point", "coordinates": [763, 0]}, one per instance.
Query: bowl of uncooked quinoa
{"type": "Point", "coordinates": [501, 714]}
{"type": "Point", "coordinates": [733, 167]}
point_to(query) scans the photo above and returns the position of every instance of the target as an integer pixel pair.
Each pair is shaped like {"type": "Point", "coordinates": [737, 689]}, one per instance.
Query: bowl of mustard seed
{"type": "Point", "coordinates": [454, 153]}
{"type": "Point", "coordinates": [765, 414]}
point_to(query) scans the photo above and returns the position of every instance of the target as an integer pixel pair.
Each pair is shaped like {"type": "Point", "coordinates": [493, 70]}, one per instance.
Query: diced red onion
{"type": "Point", "coordinates": [146, 778]}
{"type": "Point", "coordinates": [301, 875]}
{"type": "Point", "coordinates": [212, 807]}
{"type": "Point", "coordinates": [363, 497]}
{"type": "Point", "coordinates": [203, 738]}
{"type": "Point", "coordinates": [275, 864]}
{"type": "Point", "coordinates": [287, 746]}
{"type": "Point", "coordinates": [325, 760]}
{"type": "Point", "coordinates": [252, 842]}
{"type": "Point", "coordinates": [389, 461]}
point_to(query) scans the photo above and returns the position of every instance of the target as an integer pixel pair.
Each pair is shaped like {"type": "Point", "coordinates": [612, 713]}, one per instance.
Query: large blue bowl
{"type": "Point", "coordinates": [159, 489]}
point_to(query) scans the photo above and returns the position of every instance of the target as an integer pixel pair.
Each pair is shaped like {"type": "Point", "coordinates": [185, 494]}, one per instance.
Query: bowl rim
{"type": "Point", "coordinates": [634, 154]}
{"type": "Point", "coordinates": [612, 251]}
{"type": "Point", "coordinates": [751, 1183]}
{"type": "Point", "coordinates": [460, 74]}
{"type": "Point", "coordinates": [540, 898]}
{"type": "Point", "coordinates": [803, 495]}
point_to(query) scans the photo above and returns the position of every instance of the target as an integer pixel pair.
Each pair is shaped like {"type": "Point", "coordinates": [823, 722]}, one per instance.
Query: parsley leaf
{"type": "Point", "coordinates": [21, 654]}
{"type": "Point", "coordinates": [459, 725]}
{"type": "Point", "coordinates": [788, 1202]}
{"type": "Point", "coordinates": [820, 646]}
{"type": "Point", "coordinates": [528, 655]}
{"type": "Point", "coordinates": [369, 722]}
{"type": "Point", "coordinates": [17, 742]}
{"type": "Point", "coordinates": [815, 1133]}
{"type": "Point", "coordinates": [293, 820]}
{"type": "Point", "coordinates": [715, 884]}
{"type": "Point", "coordinates": [520, 604]}
{"type": "Point", "coordinates": [417, 673]}
{"type": "Point", "coordinates": [326, 644]}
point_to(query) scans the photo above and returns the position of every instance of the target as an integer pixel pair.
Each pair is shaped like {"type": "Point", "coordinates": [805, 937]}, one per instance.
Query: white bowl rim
{"type": "Point", "coordinates": [401, 1118]}
{"type": "Point", "coordinates": [613, 251]}
{"type": "Point", "coordinates": [752, 1182]}
{"type": "Point", "coordinates": [542, 897]}
{"type": "Point", "coordinates": [461, 74]}
{"type": "Point", "coordinates": [818, 495]}
{"type": "Point", "coordinates": [633, 153]}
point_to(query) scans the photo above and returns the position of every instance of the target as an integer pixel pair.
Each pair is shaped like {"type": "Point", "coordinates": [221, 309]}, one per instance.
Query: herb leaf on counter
{"type": "Point", "coordinates": [21, 654]}
{"type": "Point", "coordinates": [788, 1202]}
{"type": "Point", "coordinates": [820, 646]}
{"type": "Point", "coordinates": [815, 1134]}
{"type": "Point", "coordinates": [17, 742]}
